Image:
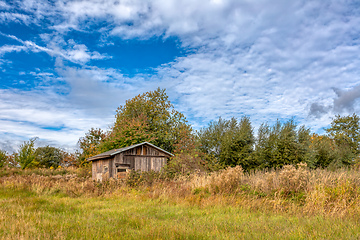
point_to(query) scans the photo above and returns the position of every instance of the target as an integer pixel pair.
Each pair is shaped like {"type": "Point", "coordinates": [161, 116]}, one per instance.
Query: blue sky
{"type": "Point", "coordinates": [65, 66]}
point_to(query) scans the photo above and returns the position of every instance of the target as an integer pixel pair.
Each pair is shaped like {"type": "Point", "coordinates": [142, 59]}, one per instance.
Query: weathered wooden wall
{"type": "Point", "coordinates": [98, 168]}
{"type": "Point", "coordinates": [147, 163]}
{"type": "Point", "coordinates": [145, 158]}
{"type": "Point", "coordinates": [144, 150]}
{"type": "Point", "coordinates": [142, 158]}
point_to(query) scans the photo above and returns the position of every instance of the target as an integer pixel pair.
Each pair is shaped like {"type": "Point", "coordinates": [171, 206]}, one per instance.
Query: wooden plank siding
{"type": "Point", "coordinates": [140, 158]}
{"type": "Point", "coordinates": [102, 166]}
{"type": "Point", "coordinates": [148, 163]}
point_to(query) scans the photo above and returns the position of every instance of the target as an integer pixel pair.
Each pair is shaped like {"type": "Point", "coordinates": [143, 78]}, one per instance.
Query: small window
{"type": "Point", "coordinates": [121, 170]}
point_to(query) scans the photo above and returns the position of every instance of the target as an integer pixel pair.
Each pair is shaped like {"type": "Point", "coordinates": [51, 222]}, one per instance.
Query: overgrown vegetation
{"type": "Point", "coordinates": [3, 158]}
{"type": "Point", "coordinates": [292, 189]}
{"type": "Point", "coordinates": [283, 170]}
{"type": "Point", "coordinates": [151, 117]}
{"type": "Point", "coordinates": [132, 215]}
{"type": "Point", "coordinates": [66, 203]}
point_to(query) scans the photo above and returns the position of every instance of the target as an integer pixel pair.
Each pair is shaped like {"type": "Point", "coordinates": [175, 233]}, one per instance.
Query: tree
{"type": "Point", "coordinates": [26, 154]}
{"type": "Point", "coordinates": [322, 151]}
{"type": "Point", "coordinates": [211, 137]}
{"type": "Point", "coordinates": [147, 117]}
{"type": "Point", "coordinates": [11, 160]}
{"type": "Point", "coordinates": [126, 132]}
{"type": "Point", "coordinates": [238, 143]}
{"type": "Point", "coordinates": [346, 132]}
{"type": "Point", "coordinates": [188, 158]}
{"type": "Point", "coordinates": [70, 159]}
{"type": "Point", "coordinates": [89, 145]}
{"type": "Point", "coordinates": [3, 158]}
{"type": "Point", "coordinates": [48, 156]}
{"type": "Point", "coordinates": [228, 142]}
{"type": "Point", "coordinates": [281, 144]}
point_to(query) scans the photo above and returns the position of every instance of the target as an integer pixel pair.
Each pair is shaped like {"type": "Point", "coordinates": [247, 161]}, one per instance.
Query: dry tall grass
{"type": "Point", "coordinates": [292, 189]}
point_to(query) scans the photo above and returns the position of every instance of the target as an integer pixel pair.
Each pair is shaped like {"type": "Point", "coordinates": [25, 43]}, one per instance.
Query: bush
{"type": "Point", "coordinates": [137, 178]}
{"type": "Point", "coordinates": [227, 180]}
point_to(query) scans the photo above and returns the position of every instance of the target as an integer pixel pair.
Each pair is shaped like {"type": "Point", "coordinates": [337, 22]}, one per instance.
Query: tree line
{"type": "Point", "coordinates": [232, 142]}
{"type": "Point", "coordinates": [29, 156]}
{"type": "Point", "coordinates": [152, 117]}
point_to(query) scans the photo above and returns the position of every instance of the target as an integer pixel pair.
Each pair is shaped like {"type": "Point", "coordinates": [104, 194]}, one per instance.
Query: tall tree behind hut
{"type": "Point", "coordinates": [147, 117]}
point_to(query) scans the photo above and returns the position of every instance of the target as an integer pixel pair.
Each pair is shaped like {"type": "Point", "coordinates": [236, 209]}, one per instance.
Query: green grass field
{"type": "Point", "coordinates": [27, 215]}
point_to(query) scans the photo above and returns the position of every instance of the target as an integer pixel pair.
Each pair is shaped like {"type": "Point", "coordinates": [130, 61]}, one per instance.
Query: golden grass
{"type": "Point", "coordinates": [293, 189]}
{"type": "Point", "coordinates": [291, 203]}
{"type": "Point", "coordinates": [132, 215]}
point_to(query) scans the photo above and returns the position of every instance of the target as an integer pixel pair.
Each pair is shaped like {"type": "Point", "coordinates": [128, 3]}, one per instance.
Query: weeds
{"type": "Point", "coordinates": [292, 188]}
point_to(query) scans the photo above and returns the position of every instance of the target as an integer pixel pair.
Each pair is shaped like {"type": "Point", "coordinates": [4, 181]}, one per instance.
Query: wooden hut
{"type": "Point", "coordinates": [115, 163]}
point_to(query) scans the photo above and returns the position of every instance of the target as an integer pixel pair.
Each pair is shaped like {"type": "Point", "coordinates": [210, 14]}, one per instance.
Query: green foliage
{"type": "Point", "coordinates": [147, 117]}
{"type": "Point", "coordinates": [49, 156]}
{"type": "Point", "coordinates": [30, 157]}
{"type": "Point", "coordinates": [26, 155]}
{"type": "Point", "coordinates": [346, 132]}
{"type": "Point", "coordinates": [238, 144]}
{"type": "Point", "coordinates": [3, 158]}
{"type": "Point", "coordinates": [281, 144]}
{"type": "Point", "coordinates": [185, 163]}
{"type": "Point", "coordinates": [228, 142]}
{"type": "Point", "coordinates": [127, 132]}
{"type": "Point", "coordinates": [188, 158]}
{"type": "Point", "coordinates": [89, 145]}
{"type": "Point", "coordinates": [151, 117]}
{"type": "Point", "coordinates": [321, 151]}
{"type": "Point", "coordinates": [210, 138]}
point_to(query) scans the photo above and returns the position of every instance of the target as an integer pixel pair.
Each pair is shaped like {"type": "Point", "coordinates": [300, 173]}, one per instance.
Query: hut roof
{"type": "Point", "coordinates": [119, 150]}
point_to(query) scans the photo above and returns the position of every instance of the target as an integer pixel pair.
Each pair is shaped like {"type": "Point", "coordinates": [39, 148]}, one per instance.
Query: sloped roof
{"type": "Point", "coordinates": [119, 150]}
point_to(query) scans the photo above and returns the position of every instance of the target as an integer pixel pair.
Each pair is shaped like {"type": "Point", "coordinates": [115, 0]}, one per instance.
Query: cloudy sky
{"type": "Point", "coordinates": [65, 66]}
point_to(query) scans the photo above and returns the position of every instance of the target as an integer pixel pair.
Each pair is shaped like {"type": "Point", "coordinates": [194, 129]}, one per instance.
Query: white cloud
{"type": "Point", "coordinates": [11, 48]}
{"type": "Point", "coordinates": [42, 114]}
{"type": "Point", "coordinates": [4, 5]}
{"type": "Point", "coordinates": [14, 17]}
{"type": "Point", "coordinates": [258, 58]}
{"type": "Point", "coordinates": [98, 91]}
{"type": "Point", "coordinates": [89, 99]}
{"type": "Point", "coordinates": [265, 59]}
{"type": "Point", "coordinates": [57, 47]}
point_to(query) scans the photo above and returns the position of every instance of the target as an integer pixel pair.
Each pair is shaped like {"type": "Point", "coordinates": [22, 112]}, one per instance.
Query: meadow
{"type": "Point", "coordinates": [291, 203]}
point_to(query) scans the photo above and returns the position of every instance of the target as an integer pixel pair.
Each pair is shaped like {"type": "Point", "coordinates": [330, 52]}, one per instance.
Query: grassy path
{"type": "Point", "coordinates": [26, 215]}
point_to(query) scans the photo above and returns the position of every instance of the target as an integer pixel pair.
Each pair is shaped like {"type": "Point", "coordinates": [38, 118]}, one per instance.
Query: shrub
{"type": "Point", "coordinates": [292, 179]}
{"type": "Point", "coordinates": [226, 181]}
